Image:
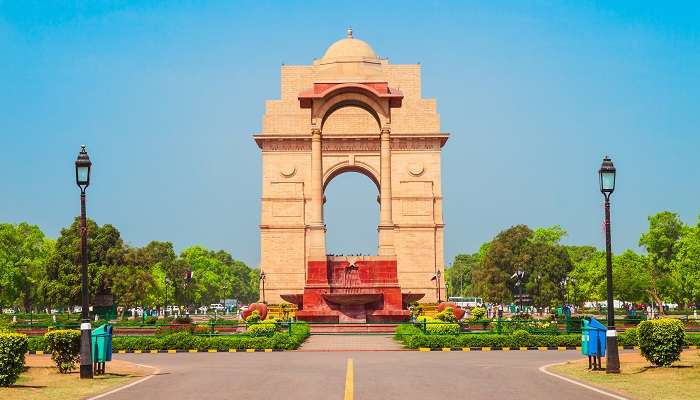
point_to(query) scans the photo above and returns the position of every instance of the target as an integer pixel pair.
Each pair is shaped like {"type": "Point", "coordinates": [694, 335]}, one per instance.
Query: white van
{"type": "Point", "coordinates": [466, 302]}
{"type": "Point", "coordinates": [217, 307]}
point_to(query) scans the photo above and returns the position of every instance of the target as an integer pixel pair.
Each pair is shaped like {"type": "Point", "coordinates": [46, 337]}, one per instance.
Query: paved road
{"type": "Point", "coordinates": [377, 375]}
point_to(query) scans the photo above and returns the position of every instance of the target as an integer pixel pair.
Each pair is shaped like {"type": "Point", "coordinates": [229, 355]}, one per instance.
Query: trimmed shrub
{"type": "Point", "coordinates": [151, 320]}
{"type": "Point", "coordinates": [183, 319]}
{"type": "Point", "coordinates": [533, 326]}
{"type": "Point", "coordinates": [37, 343]}
{"type": "Point", "coordinates": [434, 326]}
{"type": "Point", "coordinates": [64, 346]}
{"type": "Point", "coordinates": [477, 313]}
{"type": "Point", "coordinates": [446, 315]}
{"type": "Point", "coordinates": [172, 329]}
{"type": "Point", "coordinates": [13, 347]}
{"type": "Point", "coordinates": [661, 340]}
{"type": "Point", "coordinates": [406, 330]}
{"type": "Point", "coordinates": [628, 337]}
{"type": "Point", "coordinates": [253, 318]}
{"type": "Point", "coordinates": [264, 328]}
{"type": "Point", "coordinates": [5, 326]}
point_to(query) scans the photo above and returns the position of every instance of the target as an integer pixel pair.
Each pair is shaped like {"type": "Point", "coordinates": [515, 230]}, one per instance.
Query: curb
{"type": "Point", "coordinates": [549, 348]}
{"type": "Point", "coordinates": [420, 349]}
{"type": "Point", "coordinates": [40, 353]}
{"type": "Point", "coordinates": [463, 349]}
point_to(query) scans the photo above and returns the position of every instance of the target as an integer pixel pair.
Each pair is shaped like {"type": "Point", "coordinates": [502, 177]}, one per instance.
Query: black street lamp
{"type": "Point", "coordinates": [436, 277]}
{"type": "Point", "coordinates": [606, 175]}
{"type": "Point", "coordinates": [82, 179]}
{"type": "Point", "coordinates": [262, 281]}
{"type": "Point", "coordinates": [519, 274]}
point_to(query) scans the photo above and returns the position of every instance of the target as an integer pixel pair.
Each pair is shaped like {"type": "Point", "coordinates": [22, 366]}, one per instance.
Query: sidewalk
{"type": "Point", "coordinates": [351, 343]}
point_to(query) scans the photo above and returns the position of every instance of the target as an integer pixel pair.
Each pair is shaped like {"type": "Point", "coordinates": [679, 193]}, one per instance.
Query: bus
{"type": "Point", "coordinates": [466, 302]}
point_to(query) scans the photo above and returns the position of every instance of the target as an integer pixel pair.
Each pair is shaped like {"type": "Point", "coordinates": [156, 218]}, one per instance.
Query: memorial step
{"type": "Point", "coordinates": [327, 329]}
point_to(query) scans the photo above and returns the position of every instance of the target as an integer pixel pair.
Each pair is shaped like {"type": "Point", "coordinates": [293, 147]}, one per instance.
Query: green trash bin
{"type": "Point", "coordinates": [101, 347]}
{"type": "Point", "coordinates": [585, 337]}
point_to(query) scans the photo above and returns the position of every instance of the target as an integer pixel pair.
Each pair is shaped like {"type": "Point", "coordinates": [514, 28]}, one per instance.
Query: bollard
{"type": "Point", "coordinates": [53, 318]}
{"type": "Point", "coordinates": [97, 317]}
{"type": "Point", "coordinates": [14, 319]}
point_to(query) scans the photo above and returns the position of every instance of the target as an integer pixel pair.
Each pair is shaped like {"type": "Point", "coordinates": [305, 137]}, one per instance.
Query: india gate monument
{"type": "Point", "coordinates": [351, 111]}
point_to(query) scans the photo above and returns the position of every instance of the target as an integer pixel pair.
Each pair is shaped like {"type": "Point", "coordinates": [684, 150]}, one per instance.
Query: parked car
{"type": "Point", "coordinates": [8, 311]}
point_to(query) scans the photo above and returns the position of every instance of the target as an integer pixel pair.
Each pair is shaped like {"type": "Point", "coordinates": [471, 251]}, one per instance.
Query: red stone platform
{"type": "Point", "coordinates": [352, 289]}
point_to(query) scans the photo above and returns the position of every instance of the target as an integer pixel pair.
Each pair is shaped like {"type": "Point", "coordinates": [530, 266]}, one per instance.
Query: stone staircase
{"type": "Point", "coordinates": [350, 342]}
{"type": "Point", "coordinates": [350, 328]}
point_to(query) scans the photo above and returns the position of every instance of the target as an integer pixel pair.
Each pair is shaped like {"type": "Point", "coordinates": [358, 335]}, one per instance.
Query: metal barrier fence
{"type": "Point", "coordinates": [219, 326]}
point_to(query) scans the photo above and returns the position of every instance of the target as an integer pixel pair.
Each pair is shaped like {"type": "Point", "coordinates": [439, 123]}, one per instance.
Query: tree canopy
{"type": "Point", "coordinates": [39, 272]}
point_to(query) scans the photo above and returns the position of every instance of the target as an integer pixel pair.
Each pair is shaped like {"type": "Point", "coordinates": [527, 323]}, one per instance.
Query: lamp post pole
{"type": "Point", "coordinates": [165, 305]}
{"type": "Point", "coordinates": [82, 178]}
{"type": "Point", "coordinates": [520, 289]}
{"type": "Point", "coordinates": [519, 274]}
{"type": "Point", "coordinates": [437, 283]}
{"type": "Point", "coordinates": [262, 281]}
{"type": "Point", "coordinates": [607, 174]}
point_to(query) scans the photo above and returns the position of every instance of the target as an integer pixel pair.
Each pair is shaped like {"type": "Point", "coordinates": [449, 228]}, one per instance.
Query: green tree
{"type": "Point", "coordinates": [665, 229]}
{"type": "Point", "coordinates": [23, 255]}
{"type": "Point", "coordinates": [547, 266]}
{"type": "Point", "coordinates": [217, 276]}
{"type": "Point", "coordinates": [163, 263]}
{"type": "Point", "coordinates": [459, 275]}
{"type": "Point", "coordinates": [587, 278]}
{"type": "Point", "coordinates": [133, 281]}
{"type": "Point", "coordinates": [106, 250]}
{"type": "Point", "coordinates": [684, 276]}
{"type": "Point", "coordinates": [549, 235]}
{"type": "Point", "coordinates": [505, 254]}
{"type": "Point", "coordinates": [631, 277]}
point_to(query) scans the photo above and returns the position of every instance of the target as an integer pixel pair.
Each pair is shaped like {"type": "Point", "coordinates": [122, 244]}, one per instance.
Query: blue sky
{"type": "Point", "coordinates": [167, 94]}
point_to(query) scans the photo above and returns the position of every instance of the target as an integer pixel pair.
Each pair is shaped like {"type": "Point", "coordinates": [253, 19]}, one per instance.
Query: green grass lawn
{"type": "Point", "coordinates": [640, 380]}
{"type": "Point", "coordinates": [42, 381]}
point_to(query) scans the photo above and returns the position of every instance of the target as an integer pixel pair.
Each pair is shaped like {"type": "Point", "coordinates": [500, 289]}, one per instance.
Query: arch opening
{"type": "Point", "coordinates": [349, 105]}
{"type": "Point", "coordinates": [351, 213]}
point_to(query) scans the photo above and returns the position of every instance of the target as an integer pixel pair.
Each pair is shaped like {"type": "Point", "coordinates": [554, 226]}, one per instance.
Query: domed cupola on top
{"type": "Point", "coordinates": [349, 60]}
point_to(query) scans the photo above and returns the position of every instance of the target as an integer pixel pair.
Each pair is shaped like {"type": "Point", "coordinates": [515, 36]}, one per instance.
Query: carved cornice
{"type": "Point", "coordinates": [350, 144]}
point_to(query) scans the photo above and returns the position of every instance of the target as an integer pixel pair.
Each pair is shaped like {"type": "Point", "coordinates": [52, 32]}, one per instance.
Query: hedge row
{"type": "Point", "coordinates": [437, 327]}
{"type": "Point", "coordinates": [187, 341]}
{"type": "Point", "coordinates": [412, 337]}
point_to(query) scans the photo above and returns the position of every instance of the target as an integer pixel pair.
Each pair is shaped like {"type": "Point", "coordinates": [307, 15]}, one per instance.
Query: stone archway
{"type": "Point", "coordinates": [398, 146]}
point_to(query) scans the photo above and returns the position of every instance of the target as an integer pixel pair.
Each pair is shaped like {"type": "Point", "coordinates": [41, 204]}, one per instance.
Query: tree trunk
{"type": "Point", "coordinates": [654, 295]}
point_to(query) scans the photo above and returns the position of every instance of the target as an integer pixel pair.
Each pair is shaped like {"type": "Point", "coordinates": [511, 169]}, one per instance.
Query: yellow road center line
{"type": "Point", "coordinates": [349, 389]}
